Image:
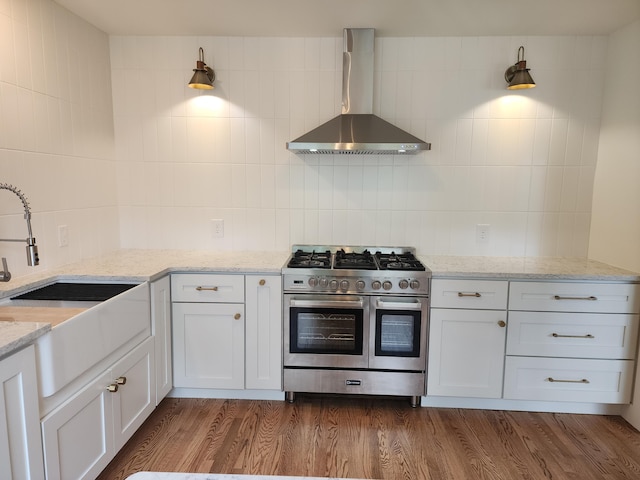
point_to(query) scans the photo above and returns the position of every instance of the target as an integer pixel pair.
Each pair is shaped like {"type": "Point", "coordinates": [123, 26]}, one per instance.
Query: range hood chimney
{"type": "Point", "coordinates": [357, 130]}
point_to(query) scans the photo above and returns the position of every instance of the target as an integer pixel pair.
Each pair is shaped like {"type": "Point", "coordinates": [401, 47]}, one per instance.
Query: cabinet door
{"type": "Point", "coordinates": [135, 398]}
{"type": "Point", "coordinates": [78, 436]}
{"type": "Point", "coordinates": [263, 308]}
{"type": "Point", "coordinates": [208, 345]}
{"type": "Point", "coordinates": [466, 353]}
{"type": "Point", "coordinates": [161, 330]}
{"type": "Point", "coordinates": [20, 443]}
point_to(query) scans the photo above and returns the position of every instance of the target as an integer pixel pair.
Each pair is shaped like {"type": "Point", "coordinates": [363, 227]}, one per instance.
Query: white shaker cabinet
{"type": "Point", "coordinates": [209, 330]}
{"type": "Point", "coordinates": [263, 310]}
{"type": "Point", "coordinates": [467, 338]}
{"type": "Point", "coordinates": [227, 331]}
{"type": "Point", "coordinates": [161, 331]}
{"type": "Point", "coordinates": [82, 435]}
{"type": "Point", "coordinates": [571, 341]}
{"type": "Point", "coordinates": [20, 443]}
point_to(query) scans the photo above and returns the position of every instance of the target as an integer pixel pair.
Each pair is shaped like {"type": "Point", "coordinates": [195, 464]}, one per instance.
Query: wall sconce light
{"type": "Point", "coordinates": [203, 75]}
{"type": "Point", "coordinates": [517, 75]}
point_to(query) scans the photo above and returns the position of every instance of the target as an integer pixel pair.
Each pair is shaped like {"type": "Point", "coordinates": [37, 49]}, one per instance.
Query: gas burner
{"type": "Point", "coordinates": [354, 260]}
{"type": "Point", "coordinates": [302, 259]}
{"type": "Point", "coordinates": [357, 270]}
{"type": "Point", "coordinates": [399, 261]}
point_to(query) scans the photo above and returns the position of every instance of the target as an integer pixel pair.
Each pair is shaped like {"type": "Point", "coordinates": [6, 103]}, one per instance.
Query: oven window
{"type": "Point", "coordinates": [398, 333]}
{"type": "Point", "coordinates": [326, 331]}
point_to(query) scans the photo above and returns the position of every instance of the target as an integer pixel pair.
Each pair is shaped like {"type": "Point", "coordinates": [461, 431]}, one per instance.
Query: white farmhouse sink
{"type": "Point", "coordinates": [75, 345]}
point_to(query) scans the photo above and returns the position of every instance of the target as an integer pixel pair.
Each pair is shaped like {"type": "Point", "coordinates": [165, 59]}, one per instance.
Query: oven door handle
{"type": "Point", "coordinates": [326, 303]}
{"type": "Point", "coordinates": [413, 305]}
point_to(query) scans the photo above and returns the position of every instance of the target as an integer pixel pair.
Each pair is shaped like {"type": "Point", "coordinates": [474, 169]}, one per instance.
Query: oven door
{"type": "Point", "coordinates": [326, 331]}
{"type": "Point", "coordinates": [400, 340]}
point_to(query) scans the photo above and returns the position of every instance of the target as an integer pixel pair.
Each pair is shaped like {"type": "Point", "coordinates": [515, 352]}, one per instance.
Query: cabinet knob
{"type": "Point", "coordinates": [112, 388]}
{"type": "Point", "coordinates": [121, 380]}
{"type": "Point", "coordinates": [502, 323]}
{"type": "Point", "coordinates": [237, 316]}
{"type": "Point", "coordinates": [262, 282]}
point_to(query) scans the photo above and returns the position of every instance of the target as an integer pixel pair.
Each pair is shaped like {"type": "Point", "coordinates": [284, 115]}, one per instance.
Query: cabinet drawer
{"type": "Point", "coordinates": [568, 379]}
{"type": "Point", "coordinates": [475, 294]}
{"type": "Point", "coordinates": [578, 335]}
{"type": "Point", "coordinates": [204, 287]}
{"type": "Point", "coordinates": [574, 297]}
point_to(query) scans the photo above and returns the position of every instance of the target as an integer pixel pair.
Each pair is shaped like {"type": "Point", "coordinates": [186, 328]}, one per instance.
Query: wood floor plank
{"type": "Point", "coordinates": [377, 438]}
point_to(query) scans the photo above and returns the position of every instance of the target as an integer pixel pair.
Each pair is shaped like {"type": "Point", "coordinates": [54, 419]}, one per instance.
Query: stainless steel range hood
{"type": "Point", "coordinates": [357, 130]}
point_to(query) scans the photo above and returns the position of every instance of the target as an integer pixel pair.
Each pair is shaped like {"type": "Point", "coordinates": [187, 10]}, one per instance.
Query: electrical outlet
{"type": "Point", "coordinates": [482, 232]}
{"type": "Point", "coordinates": [63, 235]}
{"type": "Point", "coordinates": [218, 228]}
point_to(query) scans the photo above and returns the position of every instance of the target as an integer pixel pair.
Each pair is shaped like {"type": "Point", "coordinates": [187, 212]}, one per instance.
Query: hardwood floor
{"type": "Point", "coordinates": [376, 438]}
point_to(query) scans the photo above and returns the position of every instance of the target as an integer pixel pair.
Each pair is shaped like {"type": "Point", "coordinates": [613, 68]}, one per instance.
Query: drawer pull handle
{"type": "Point", "coordinates": [237, 316]}
{"type": "Point", "coordinates": [262, 282]}
{"type": "Point", "coordinates": [584, 380]}
{"type": "Point", "coordinates": [213, 289]}
{"type": "Point", "coordinates": [559, 297]}
{"type": "Point", "coordinates": [121, 380]}
{"type": "Point", "coordinates": [113, 388]}
{"type": "Point", "coordinates": [502, 323]}
{"type": "Point", "coordinates": [558, 335]}
{"type": "Point", "coordinates": [469, 294]}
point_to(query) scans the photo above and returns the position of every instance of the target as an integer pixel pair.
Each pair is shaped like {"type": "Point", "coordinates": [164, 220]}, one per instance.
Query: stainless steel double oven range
{"type": "Point", "coordinates": [355, 321]}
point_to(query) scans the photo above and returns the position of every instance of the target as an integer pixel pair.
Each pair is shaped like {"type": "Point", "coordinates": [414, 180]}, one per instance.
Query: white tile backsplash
{"type": "Point", "coordinates": [56, 134]}
{"type": "Point", "coordinates": [137, 159]}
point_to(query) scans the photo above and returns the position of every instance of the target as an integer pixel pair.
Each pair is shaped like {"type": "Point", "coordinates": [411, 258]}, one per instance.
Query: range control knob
{"type": "Point", "coordinates": [344, 285]}
{"type": "Point", "coordinates": [387, 285]}
{"type": "Point", "coordinates": [403, 284]}
{"type": "Point", "coordinates": [376, 285]}
{"type": "Point", "coordinates": [313, 281]}
{"type": "Point", "coordinates": [415, 284]}
{"type": "Point", "coordinates": [333, 285]}
{"type": "Point", "coordinates": [360, 285]}
{"type": "Point", "coordinates": [323, 282]}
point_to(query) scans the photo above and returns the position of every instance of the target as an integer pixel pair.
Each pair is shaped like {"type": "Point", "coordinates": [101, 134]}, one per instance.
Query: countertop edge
{"type": "Point", "coordinates": [20, 335]}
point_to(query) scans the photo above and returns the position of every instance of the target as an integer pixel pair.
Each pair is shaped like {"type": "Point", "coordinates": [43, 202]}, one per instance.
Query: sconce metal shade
{"type": "Point", "coordinates": [517, 76]}
{"type": "Point", "coordinates": [203, 75]}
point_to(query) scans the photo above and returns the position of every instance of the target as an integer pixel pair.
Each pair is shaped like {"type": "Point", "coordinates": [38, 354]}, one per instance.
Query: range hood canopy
{"type": "Point", "coordinates": [358, 130]}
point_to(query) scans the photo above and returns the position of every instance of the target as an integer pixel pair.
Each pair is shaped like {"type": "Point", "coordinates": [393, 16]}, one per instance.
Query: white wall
{"type": "Point", "coordinates": [56, 134]}
{"type": "Point", "coordinates": [615, 230]}
{"type": "Point", "coordinates": [522, 162]}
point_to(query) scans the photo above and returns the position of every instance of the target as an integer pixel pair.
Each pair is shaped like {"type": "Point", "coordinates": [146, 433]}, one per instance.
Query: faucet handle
{"type": "Point", "coordinates": [5, 275]}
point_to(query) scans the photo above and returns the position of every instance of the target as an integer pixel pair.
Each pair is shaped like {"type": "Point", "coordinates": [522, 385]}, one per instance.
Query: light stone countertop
{"type": "Point", "coordinates": [148, 265]}
{"type": "Point", "coordinates": [526, 268]}
{"type": "Point", "coordinates": [16, 335]}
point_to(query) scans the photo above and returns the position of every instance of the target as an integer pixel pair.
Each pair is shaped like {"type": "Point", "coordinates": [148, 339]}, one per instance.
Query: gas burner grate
{"type": "Point", "coordinates": [355, 260]}
{"type": "Point", "coordinates": [399, 261]}
{"type": "Point", "coordinates": [302, 259]}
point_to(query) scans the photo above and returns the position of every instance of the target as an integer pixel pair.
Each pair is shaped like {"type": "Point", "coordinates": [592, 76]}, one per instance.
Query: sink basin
{"type": "Point", "coordinates": [77, 292]}
{"type": "Point", "coordinates": [68, 295]}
